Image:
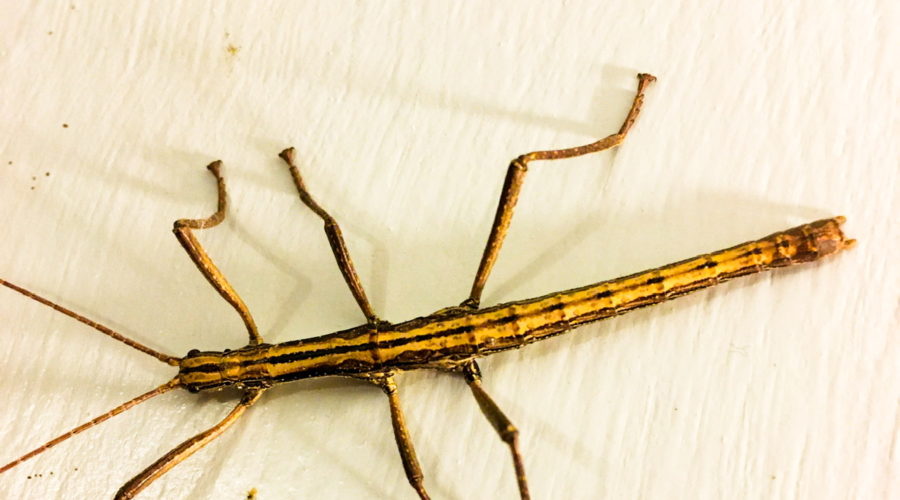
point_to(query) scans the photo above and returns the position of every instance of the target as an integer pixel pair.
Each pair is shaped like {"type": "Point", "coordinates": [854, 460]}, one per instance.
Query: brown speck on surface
{"type": "Point", "coordinates": [233, 49]}
{"type": "Point", "coordinates": [65, 125]}
{"type": "Point", "coordinates": [32, 188]}
{"type": "Point", "coordinates": [251, 495]}
{"type": "Point", "coordinates": [10, 162]}
{"type": "Point", "coordinates": [28, 477]}
{"type": "Point", "coordinates": [33, 178]}
{"type": "Point", "coordinates": [46, 174]}
{"type": "Point", "coordinates": [49, 32]}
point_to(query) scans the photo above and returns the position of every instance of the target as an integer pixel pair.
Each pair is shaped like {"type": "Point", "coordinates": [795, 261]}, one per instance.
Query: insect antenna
{"type": "Point", "coordinates": [87, 425]}
{"type": "Point", "coordinates": [165, 358]}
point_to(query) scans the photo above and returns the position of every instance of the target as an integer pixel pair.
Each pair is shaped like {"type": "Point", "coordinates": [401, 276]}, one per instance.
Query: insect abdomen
{"type": "Point", "coordinates": [542, 317]}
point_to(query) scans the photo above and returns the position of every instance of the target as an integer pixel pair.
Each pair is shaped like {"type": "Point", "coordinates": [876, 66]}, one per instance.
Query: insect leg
{"type": "Point", "coordinates": [401, 435]}
{"type": "Point", "coordinates": [335, 239]}
{"type": "Point", "coordinates": [183, 231]}
{"type": "Point", "coordinates": [186, 449]}
{"type": "Point", "coordinates": [507, 431]}
{"type": "Point", "coordinates": [515, 175]}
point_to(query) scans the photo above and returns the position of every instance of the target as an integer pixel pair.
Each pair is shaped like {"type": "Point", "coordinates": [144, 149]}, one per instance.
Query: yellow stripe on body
{"type": "Point", "coordinates": [609, 298]}
{"type": "Point", "coordinates": [490, 333]}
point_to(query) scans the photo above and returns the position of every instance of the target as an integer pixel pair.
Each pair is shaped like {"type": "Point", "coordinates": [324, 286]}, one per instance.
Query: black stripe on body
{"type": "Point", "coordinates": [428, 354]}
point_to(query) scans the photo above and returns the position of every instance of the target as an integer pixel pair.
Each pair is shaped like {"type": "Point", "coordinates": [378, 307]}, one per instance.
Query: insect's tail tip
{"type": "Point", "coordinates": [846, 243]}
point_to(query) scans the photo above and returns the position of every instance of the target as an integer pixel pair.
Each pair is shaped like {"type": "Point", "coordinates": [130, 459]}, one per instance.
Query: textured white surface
{"type": "Point", "coordinates": [766, 114]}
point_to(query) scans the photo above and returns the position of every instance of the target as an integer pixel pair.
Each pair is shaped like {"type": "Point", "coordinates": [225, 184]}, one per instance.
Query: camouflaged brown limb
{"type": "Point", "coordinates": [335, 239]}
{"type": "Point", "coordinates": [186, 449]}
{"type": "Point", "coordinates": [501, 423]}
{"type": "Point", "coordinates": [401, 435]}
{"type": "Point", "coordinates": [515, 175]}
{"type": "Point", "coordinates": [183, 231]}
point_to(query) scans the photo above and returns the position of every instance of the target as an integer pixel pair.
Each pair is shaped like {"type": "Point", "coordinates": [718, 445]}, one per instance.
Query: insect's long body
{"type": "Point", "coordinates": [453, 336]}
{"type": "Point", "coordinates": [450, 339]}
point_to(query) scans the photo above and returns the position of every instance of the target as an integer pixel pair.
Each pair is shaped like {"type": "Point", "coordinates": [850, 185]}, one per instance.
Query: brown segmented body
{"type": "Point", "coordinates": [450, 339]}
{"type": "Point", "coordinates": [456, 335]}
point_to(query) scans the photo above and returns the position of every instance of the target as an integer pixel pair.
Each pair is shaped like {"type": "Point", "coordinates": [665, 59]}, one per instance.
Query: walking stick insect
{"type": "Point", "coordinates": [450, 339]}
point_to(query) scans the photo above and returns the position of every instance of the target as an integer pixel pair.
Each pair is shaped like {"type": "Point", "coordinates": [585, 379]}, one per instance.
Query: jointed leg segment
{"type": "Point", "coordinates": [183, 231]}
{"type": "Point", "coordinates": [186, 449]}
{"type": "Point", "coordinates": [401, 436]}
{"type": "Point", "coordinates": [501, 423]}
{"type": "Point", "coordinates": [515, 175]}
{"type": "Point", "coordinates": [335, 239]}
{"type": "Point", "coordinates": [512, 184]}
